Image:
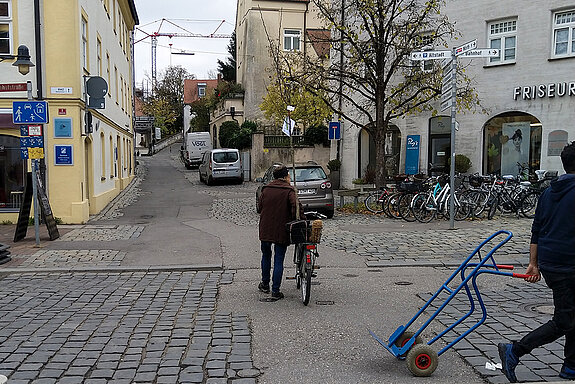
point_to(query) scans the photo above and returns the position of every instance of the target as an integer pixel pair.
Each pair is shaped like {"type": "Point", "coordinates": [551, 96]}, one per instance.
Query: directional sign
{"type": "Point", "coordinates": [482, 52]}
{"type": "Point", "coordinates": [29, 112]}
{"type": "Point", "coordinates": [430, 55]}
{"type": "Point", "coordinates": [466, 47]}
{"type": "Point", "coordinates": [334, 132]}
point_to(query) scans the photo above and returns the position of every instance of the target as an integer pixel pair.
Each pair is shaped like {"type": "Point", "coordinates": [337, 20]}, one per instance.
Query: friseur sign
{"type": "Point", "coordinates": [542, 91]}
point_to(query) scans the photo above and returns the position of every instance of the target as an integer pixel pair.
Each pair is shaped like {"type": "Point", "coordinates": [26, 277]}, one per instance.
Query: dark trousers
{"type": "Point", "coordinates": [279, 255]}
{"type": "Point", "coordinates": [562, 323]}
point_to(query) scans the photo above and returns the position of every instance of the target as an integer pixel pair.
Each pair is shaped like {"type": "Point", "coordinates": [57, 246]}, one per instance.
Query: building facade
{"type": "Point", "coordinates": [72, 43]}
{"type": "Point", "coordinates": [259, 25]}
{"type": "Point", "coordinates": [527, 92]}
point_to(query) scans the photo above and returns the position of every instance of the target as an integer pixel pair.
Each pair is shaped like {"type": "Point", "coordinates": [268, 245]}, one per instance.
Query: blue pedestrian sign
{"type": "Point", "coordinates": [334, 132]}
{"type": "Point", "coordinates": [29, 112]}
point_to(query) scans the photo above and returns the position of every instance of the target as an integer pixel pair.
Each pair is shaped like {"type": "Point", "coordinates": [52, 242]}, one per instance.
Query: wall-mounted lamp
{"type": "Point", "coordinates": [23, 60]}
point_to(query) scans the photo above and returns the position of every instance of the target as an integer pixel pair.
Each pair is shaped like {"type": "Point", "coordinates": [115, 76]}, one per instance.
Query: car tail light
{"type": "Point", "coordinates": [325, 185]}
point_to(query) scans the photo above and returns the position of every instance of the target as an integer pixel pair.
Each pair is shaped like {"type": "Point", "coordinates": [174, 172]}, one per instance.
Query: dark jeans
{"type": "Point", "coordinates": [279, 255]}
{"type": "Point", "coordinates": [562, 323]}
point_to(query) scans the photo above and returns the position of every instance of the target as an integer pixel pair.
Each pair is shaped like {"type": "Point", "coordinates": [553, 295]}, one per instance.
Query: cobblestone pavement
{"type": "Point", "coordinates": [122, 328]}
{"type": "Point", "coordinates": [103, 233]}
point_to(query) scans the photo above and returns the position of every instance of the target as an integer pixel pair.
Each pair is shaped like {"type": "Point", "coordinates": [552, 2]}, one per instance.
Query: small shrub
{"type": "Point", "coordinates": [7, 222]}
{"type": "Point", "coordinates": [334, 165]}
{"type": "Point", "coordinates": [316, 134]}
{"type": "Point", "coordinates": [462, 163]}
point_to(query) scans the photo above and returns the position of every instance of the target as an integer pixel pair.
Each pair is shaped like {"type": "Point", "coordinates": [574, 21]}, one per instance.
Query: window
{"type": "Point", "coordinates": [117, 86]}
{"type": "Point", "coordinates": [201, 90]}
{"type": "Point", "coordinates": [291, 39]}
{"type": "Point", "coordinates": [84, 43]}
{"type": "Point", "coordinates": [108, 73]}
{"type": "Point", "coordinates": [5, 27]}
{"type": "Point", "coordinates": [99, 55]}
{"type": "Point", "coordinates": [503, 36]}
{"type": "Point", "coordinates": [564, 33]}
{"type": "Point", "coordinates": [12, 174]}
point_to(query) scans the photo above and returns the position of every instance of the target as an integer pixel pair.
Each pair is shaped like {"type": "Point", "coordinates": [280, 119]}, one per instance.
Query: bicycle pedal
{"type": "Point", "coordinates": [290, 277]}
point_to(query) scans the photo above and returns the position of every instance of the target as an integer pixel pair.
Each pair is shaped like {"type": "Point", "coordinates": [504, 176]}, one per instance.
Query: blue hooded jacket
{"type": "Point", "coordinates": [553, 228]}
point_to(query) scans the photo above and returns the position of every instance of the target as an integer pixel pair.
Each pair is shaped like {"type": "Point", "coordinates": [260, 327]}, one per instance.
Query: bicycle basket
{"type": "Point", "coordinates": [409, 186]}
{"type": "Point", "coordinates": [475, 180]}
{"type": "Point", "coordinates": [299, 231]}
{"type": "Point", "coordinates": [315, 234]}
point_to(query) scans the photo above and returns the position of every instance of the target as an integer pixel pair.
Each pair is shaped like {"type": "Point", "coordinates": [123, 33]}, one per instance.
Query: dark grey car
{"type": "Point", "coordinates": [313, 187]}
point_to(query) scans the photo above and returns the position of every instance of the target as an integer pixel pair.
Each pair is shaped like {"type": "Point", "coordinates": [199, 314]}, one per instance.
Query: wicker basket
{"type": "Point", "coordinates": [315, 235]}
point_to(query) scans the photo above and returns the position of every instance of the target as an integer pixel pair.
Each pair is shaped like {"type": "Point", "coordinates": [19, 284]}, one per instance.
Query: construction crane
{"type": "Point", "coordinates": [154, 39]}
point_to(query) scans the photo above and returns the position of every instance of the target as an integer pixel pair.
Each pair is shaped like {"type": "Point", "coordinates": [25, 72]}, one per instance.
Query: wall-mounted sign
{"type": "Point", "coordinates": [542, 91]}
{"type": "Point", "coordinates": [61, 90]}
{"type": "Point", "coordinates": [63, 155]}
{"type": "Point", "coordinates": [61, 111]}
{"type": "Point", "coordinates": [62, 127]}
{"type": "Point", "coordinates": [556, 142]}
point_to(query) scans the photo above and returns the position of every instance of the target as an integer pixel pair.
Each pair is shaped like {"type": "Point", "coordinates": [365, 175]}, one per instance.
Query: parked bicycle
{"type": "Point", "coordinates": [306, 235]}
{"type": "Point", "coordinates": [428, 205]}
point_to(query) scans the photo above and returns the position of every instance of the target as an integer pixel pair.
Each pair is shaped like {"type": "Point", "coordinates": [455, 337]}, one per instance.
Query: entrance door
{"type": "Point", "coordinates": [439, 154]}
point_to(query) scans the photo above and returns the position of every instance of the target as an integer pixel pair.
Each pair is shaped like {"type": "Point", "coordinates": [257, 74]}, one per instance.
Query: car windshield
{"type": "Point", "coordinates": [225, 157]}
{"type": "Point", "coordinates": [308, 174]}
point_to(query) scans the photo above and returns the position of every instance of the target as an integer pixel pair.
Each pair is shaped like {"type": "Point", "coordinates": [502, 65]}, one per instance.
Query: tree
{"type": "Point", "coordinates": [166, 103]}
{"type": "Point", "coordinates": [228, 68]}
{"type": "Point", "coordinates": [370, 80]}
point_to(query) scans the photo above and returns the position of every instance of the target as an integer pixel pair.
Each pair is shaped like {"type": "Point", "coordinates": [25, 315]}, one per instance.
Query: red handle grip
{"type": "Point", "coordinates": [504, 266]}
{"type": "Point", "coordinates": [522, 275]}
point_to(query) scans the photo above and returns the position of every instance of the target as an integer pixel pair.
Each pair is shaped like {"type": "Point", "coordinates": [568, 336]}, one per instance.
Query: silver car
{"type": "Point", "coordinates": [221, 164]}
{"type": "Point", "coordinates": [313, 187]}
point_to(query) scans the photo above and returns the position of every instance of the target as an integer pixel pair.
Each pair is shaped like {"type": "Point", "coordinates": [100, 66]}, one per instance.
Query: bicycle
{"type": "Point", "coordinates": [306, 235]}
{"type": "Point", "coordinates": [376, 201]}
{"type": "Point", "coordinates": [427, 205]}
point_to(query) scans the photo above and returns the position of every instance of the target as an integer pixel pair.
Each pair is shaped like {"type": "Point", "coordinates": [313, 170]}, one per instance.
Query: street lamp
{"type": "Point", "coordinates": [23, 60]}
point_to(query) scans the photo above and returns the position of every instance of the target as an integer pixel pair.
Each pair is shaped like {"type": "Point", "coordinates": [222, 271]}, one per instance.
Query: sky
{"type": "Point", "coordinates": [201, 17]}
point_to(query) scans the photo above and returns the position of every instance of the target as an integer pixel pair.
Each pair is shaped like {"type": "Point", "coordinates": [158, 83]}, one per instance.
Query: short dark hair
{"type": "Point", "coordinates": [280, 171]}
{"type": "Point", "coordinates": [568, 157]}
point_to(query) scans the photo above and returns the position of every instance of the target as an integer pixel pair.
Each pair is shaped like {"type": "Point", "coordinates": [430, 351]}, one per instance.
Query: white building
{"type": "Point", "coordinates": [528, 93]}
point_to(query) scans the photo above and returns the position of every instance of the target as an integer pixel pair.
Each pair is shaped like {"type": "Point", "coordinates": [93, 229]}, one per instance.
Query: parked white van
{"type": "Point", "coordinates": [194, 146]}
{"type": "Point", "coordinates": [221, 164]}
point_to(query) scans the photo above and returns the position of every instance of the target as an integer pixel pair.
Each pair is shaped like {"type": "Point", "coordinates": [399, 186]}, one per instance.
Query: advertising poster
{"type": "Point", "coordinates": [412, 155]}
{"type": "Point", "coordinates": [514, 146]}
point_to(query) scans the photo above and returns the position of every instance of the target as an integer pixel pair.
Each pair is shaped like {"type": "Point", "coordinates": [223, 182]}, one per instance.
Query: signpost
{"type": "Point", "coordinates": [449, 92]}
{"type": "Point", "coordinates": [29, 112]}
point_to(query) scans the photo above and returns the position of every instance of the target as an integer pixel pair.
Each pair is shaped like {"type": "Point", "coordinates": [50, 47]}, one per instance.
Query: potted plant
{"type": "Point", "coordinates": [334, 166]}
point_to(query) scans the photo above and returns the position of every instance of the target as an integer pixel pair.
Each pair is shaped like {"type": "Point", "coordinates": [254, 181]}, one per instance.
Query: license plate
{"type": "Point", "coordinates": [306, 191]}
{"type": "Point", "coordinates": [219, 171]}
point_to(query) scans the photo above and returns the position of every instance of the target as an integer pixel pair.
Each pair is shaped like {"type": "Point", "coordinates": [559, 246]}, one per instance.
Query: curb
{"type": "Point", "coordinates": [159, 268]}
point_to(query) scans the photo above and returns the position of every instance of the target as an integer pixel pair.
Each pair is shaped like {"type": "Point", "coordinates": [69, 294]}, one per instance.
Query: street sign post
{"type": "Point", "coordinates": [482, 52]}
{"type": "Point", "coordinates": [430, 55]}
{"type": "Point", "coordinates": [466, 47]}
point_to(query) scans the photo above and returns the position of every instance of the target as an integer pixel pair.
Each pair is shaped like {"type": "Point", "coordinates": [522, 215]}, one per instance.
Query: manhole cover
{"type": "Point", "coordinates": [545, 309]}
{"type": "Point", "coordinates": [325, 302]}
{"type": "Point", "coordinates": [403, 283]}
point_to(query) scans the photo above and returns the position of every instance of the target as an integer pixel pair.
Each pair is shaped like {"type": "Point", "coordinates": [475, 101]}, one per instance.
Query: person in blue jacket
{"type": "Point", "coordinates": [552, 254]}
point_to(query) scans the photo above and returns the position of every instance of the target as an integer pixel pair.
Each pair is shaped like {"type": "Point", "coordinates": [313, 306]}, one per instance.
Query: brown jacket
{"type": "Point", "coordinates": [277, 206]}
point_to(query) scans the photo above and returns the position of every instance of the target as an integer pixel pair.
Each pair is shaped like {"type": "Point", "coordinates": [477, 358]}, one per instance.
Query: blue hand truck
{"type": "Point", "coordinates": [407, 345]}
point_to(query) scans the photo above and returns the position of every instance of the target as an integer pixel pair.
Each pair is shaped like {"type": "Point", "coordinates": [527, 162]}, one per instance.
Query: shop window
{"type": "Point", "coordinates": [503, 36]}
{"type": "Point", "coordinates": [11, 173]}
{"type": "Point", "coordinates": [509, 139]}
{"type": "Point", "coordinates": [564, 34]}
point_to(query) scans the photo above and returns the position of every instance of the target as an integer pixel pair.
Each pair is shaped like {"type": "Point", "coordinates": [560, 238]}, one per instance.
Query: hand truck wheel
{"type": "Point", "coordinates": [401, 340]}
{"type": "Point", "coordinates": [422, 360]}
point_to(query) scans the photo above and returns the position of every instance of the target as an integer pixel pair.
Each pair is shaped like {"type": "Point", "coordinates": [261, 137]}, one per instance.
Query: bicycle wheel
{"type": "Point", "coordinates": [404, 207]}
{"type": "Point", "coordinates": [462, 209]}
{"type": "Point", "coordinates": [305, 284]}
{"type": "Point", "coordinates": [476, 200]}
{"type": "Point", "coordinates": [298, 262]}
{"type": "Point", "coordinates": [492, 205]}
{"type": "Point", "coordinates": [529, 203]}
{"type": "Point", "coordinates": [423, 211]}
{"type": "Point", "coordinates": [375, 202]}
{"type": "Point", "coordinates": [392, 206]}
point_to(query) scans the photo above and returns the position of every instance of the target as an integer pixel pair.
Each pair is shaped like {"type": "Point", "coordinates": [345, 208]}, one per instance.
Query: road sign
{"type": "Point", "coordinates": [466, 47]}
{"type": "Point", "coordinates": [483, 52]}
{"type": "Point", "coordinates": [430, 55]}
{"type": "Point", "coordinates": [14, 87]}
{"type": "Point", "coordinates": [334, 132]}
{"type": "Point", "coordinates": [29, 112]}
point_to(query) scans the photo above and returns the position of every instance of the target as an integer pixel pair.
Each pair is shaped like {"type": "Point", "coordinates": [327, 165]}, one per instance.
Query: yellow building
{"type": "Point", "coordinates": [71, 43]}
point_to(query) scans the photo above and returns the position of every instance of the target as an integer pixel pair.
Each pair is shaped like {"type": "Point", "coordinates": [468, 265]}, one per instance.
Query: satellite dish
{"type": "Point", "coordinates": [96, 87]}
